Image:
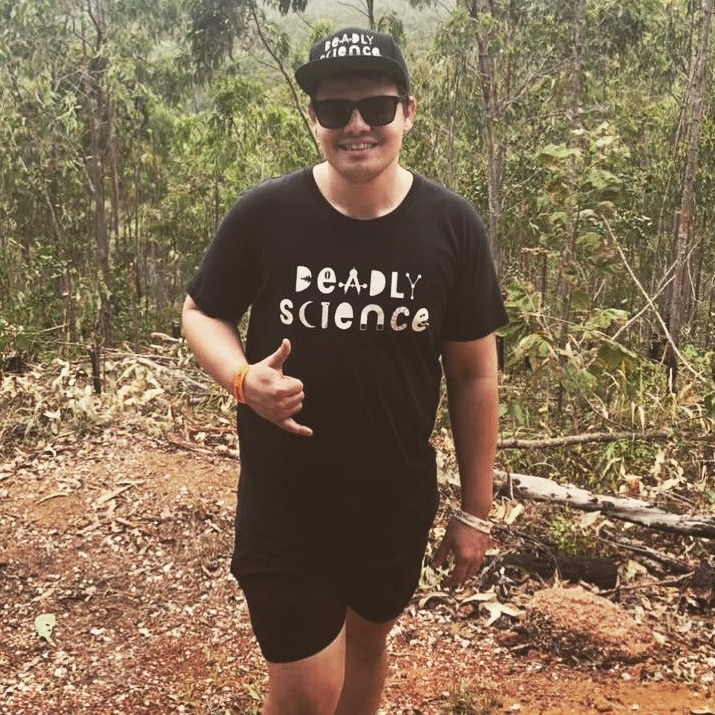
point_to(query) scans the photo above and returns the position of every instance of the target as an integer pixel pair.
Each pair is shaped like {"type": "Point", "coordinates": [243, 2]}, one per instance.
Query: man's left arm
{"type": "Point", "coordinates": [471, 375]}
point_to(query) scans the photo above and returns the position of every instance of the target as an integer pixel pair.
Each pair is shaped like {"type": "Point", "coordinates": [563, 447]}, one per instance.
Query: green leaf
{"type": "Point", "coordinates": [590, 241]}
{"type": "Point", "coordinates": [44, 625]}
{"type": "Point", "coordinates": [516, 411]}
{"type": "Point", "coordinates": [601, 179]}
{"type": "Point", "coordinates": [560, 218]}
{"type": "Point", "coordinates": [603, 318]}
{"type": "Point", "coordinates": [611, 355]}
{"type": "Point", "coordinates": [559, 151]}
{"type": "Point", "coordinates": [580, 300]}
{"type": "Point", "coordinates": [604, 141]}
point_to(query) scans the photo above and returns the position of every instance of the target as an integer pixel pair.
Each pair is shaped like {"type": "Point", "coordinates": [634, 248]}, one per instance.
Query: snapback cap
{"type": "Point", "coordinates": [353, 50]}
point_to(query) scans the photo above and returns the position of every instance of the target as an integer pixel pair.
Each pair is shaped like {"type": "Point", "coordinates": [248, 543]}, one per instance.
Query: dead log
{"type": "Point", "coordinates": [600, 572]}
{"type": "Point", "coordinates": [628, 509]}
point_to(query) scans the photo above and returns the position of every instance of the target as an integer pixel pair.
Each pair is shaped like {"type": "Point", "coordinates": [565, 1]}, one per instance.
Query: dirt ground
{"type": "Point", "coordinates": [125, 540]}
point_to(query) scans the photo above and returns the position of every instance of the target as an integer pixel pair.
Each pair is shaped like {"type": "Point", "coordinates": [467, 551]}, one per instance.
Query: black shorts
{"type": "Point", "coordinates": [298, 604]}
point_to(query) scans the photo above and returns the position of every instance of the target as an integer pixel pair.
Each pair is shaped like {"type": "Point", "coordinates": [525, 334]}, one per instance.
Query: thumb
{"type": "Point", "coordinates": [440, 556]}
{"type": "Point", "coordinates": [278, 358]}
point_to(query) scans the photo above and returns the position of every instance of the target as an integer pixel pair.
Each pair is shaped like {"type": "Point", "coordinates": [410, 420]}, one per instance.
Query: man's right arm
{"type": "Point", "coordinates": [217, 347]}
{"type": "Point", "coordinates": [216, 344]}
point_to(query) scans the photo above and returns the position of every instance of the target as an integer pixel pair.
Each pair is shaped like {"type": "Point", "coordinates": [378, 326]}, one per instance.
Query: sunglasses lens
{"type": "Point", "coordinates": [333, 113]}
{"type": "Point", "coordinates": [375, 111]}
{"type": "Point", "coordinates": [378, 111]}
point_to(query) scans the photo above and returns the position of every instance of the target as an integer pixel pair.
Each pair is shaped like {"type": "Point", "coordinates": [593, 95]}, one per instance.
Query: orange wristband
{"type": "Point", "coordinates": [238, 379]}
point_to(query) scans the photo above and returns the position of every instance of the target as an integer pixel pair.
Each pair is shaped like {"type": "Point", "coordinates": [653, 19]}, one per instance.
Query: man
{"type": "Point", "coordinates": [360, 275]}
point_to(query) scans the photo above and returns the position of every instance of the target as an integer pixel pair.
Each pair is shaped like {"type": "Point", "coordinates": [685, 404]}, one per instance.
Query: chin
{"type": "Point", "coordinates": [358, 173]}
{"type": "Point", "coordinates": [361, 171]}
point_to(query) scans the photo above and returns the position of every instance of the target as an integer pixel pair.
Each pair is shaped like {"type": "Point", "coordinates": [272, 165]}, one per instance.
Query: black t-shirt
{"type": "Point", "coordinates": [366, 305]}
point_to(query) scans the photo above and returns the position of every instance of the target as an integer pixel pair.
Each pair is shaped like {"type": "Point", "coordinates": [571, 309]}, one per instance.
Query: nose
{"type": "Point", "coordinates": [357, 123]}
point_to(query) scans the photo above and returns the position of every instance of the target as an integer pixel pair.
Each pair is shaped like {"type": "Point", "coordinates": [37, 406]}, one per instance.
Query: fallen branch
{"type": "Point", "coordinates": [586, 438]}
{"type": "Point", "coordinates": [178, 375]}
{"type": "Point", "coordinates": [54, 495]}
{"type": "Point", "coordinates": [108, 496]}
{"type": "Point", "coordinates": [642, 585]}
{"type": "Point", "coordinates": [674, 564]}
{"type": "Point", "coordinates": [635, 511]}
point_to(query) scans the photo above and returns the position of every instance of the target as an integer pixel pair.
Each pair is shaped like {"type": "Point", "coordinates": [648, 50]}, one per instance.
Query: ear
{"type": "Point", "coordinates": [410, 113]}
{"type": "Point", "coordinates": [311, 116]}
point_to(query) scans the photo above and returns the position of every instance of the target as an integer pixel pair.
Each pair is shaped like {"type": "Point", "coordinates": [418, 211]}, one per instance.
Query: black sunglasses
{"type": "Point", "coordinates": [375, 111]}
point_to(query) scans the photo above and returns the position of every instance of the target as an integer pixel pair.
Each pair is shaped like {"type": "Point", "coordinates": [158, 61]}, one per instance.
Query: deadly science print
{"type": "Point", "coordinates": [365, 300]}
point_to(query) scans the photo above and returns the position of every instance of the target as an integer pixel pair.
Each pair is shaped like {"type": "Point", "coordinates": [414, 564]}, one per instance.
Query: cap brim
{"type": "Point", "coordinates": [310, 75]}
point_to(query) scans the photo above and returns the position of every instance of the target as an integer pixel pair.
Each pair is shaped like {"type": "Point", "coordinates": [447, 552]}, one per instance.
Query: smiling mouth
{"type": "Point", "coordinates": [358, 146]}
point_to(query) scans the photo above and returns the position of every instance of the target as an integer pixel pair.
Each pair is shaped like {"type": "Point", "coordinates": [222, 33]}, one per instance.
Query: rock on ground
{"type": "Point", "coordinates": [574, 623]}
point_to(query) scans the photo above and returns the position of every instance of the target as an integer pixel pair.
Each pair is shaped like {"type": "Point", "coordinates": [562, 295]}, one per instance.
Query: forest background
{"type": "Point", "coordinates": [582, 131]}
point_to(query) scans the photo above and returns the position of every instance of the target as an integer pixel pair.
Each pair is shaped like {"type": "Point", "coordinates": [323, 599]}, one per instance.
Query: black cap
{"type": "Point", "coordinates": [353, 50]}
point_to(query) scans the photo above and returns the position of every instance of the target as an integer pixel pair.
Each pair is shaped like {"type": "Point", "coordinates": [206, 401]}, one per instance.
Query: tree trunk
{"type": "Point", "coordinates": [575, 143]}
{"type": "Point", "coordinates": [693, 112]}
{"type": "Point", "coordinates": [94, 68]}
{"type": "Point", "coordinates": [113, 152]}
{"type": "Point", "coordinates": [495, 148]}
{"type": "Point", "coordinates": [370, 14]}
{"type": "Point", "coordinates": [572, 206]}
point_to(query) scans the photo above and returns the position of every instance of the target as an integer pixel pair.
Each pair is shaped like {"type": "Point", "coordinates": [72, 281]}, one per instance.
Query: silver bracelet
{"type": "Point", "coordinates": [482, 525]}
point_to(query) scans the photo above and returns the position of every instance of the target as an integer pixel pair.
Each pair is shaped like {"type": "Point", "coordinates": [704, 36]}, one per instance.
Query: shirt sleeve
{"type": "Point", "coordinates": [475, 307]}
{"type": "Point", "coordinates": [225, 284]}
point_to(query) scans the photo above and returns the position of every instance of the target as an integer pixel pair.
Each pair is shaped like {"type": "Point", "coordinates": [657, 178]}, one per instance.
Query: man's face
{"type": "Point", "coordinates": [359, 152]}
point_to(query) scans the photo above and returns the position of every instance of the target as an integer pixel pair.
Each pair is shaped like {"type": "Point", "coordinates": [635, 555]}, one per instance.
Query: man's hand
{"type": "Point", "coordinates": [467, 545]}
{"type": "Point", "coordinates": [273, 395]}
